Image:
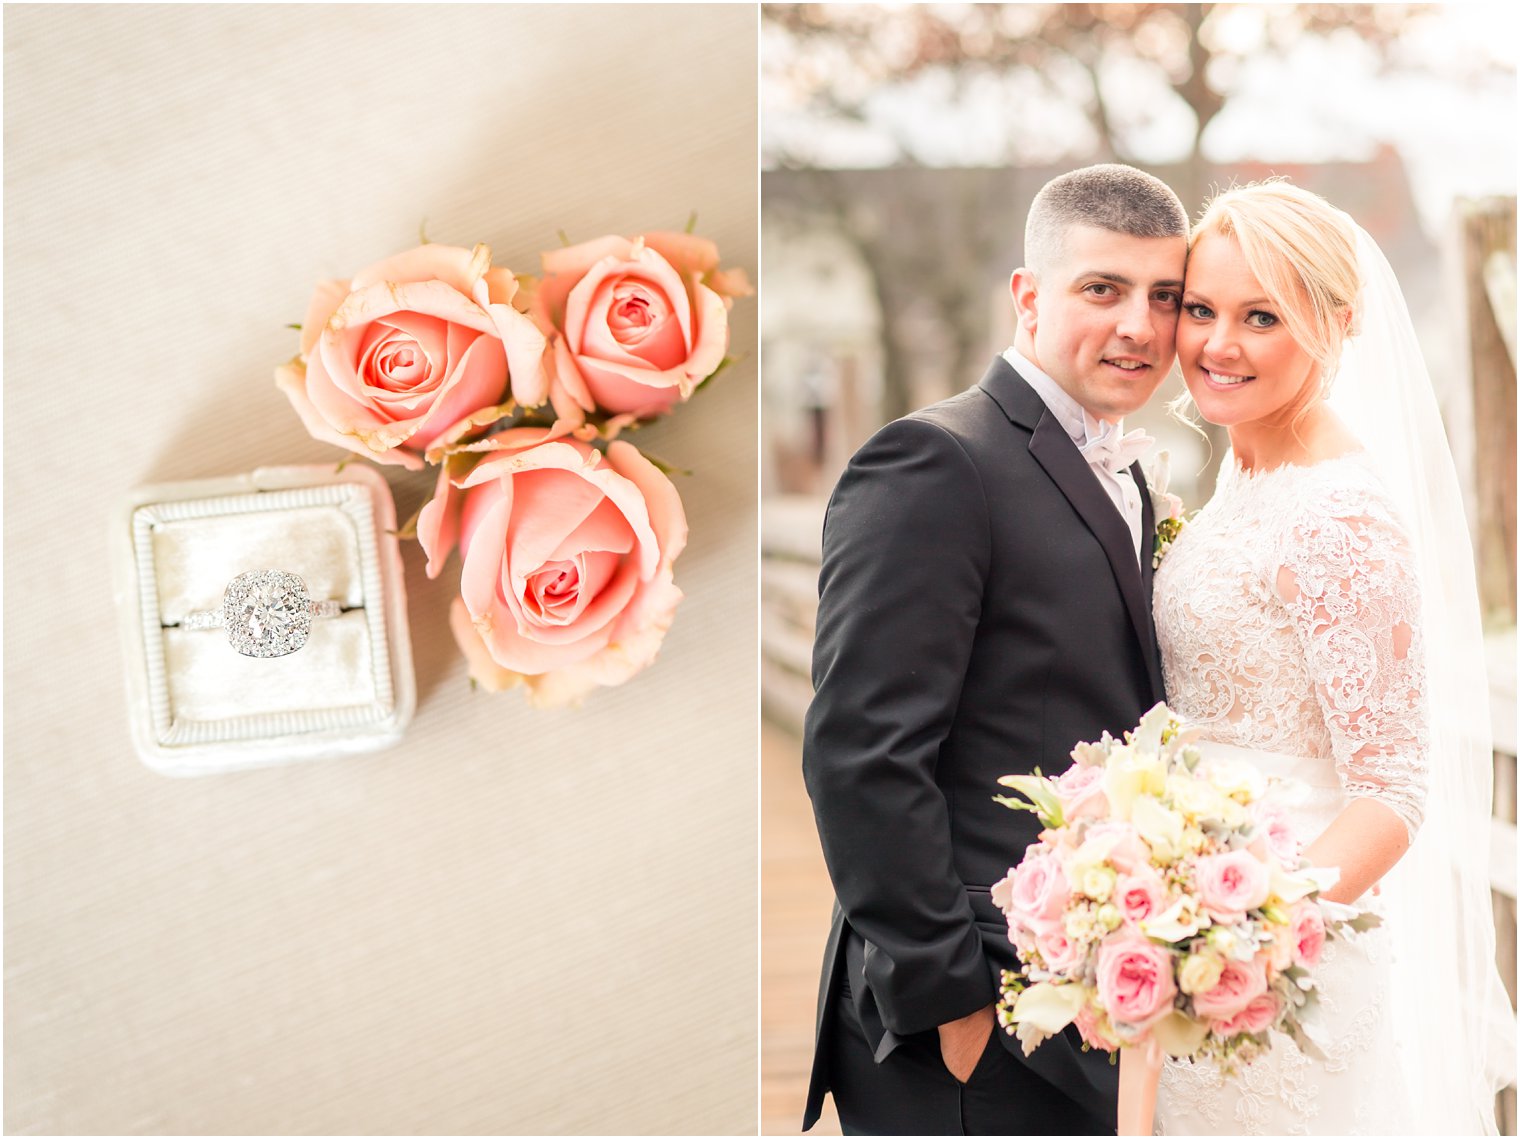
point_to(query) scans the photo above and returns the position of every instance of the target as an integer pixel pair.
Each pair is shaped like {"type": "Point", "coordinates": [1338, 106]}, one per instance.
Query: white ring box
{"type": "Point", "coordinates": [197, 706]}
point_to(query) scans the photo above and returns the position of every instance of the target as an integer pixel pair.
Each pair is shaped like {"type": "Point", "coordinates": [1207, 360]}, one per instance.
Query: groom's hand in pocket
{"type": "Point", "coordinates": [962, 1042]}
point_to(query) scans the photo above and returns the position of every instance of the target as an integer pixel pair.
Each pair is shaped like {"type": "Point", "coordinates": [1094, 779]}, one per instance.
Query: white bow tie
{"type": "Point", "coordinates": [1117, 452]}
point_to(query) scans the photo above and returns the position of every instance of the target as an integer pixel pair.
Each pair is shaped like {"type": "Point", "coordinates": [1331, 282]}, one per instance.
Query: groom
{"type": "Point", "coordinates": [984, 604]}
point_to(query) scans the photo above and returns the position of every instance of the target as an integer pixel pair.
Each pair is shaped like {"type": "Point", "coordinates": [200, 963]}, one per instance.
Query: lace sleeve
{"type": "Point", "coordinates": [1347, 579]}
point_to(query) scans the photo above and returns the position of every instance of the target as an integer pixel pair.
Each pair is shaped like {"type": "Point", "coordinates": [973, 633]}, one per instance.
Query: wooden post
{"type": "Point", "coordinates": [1488, 252]}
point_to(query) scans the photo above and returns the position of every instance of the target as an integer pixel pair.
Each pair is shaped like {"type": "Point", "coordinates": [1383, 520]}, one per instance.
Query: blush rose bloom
{"type": "Point", "coordinates": [1093, 1027]}
{"type": "Point", "coordinates": [1140, 895]}
{"type": "Point", "coordinates": [1128, 854]}
{"type": "Point", "coordinates": [1058, 949]}
{"type": "Point", "coordinates": [1308, 925]}
{"type": "Point", "coordinates": [1135, 980]}
{"type": "Point", "coordinates": [1229, 884]}
{"type": "Point", "coordinates": [1037, 893]}
{"type": "Point", "coordinates": [1258, 1016]}
{"type": "Point", "coordinates": [635, 325]}
{"type": "Point", "coordinates": [1240, 983]}
{"type": "Point", "coordinates": [1277, 832]}
{"type": "Point", "coordinates": [409, 347]}
{"type": "Point", "coordinates": [566, 581]}
{"type": "Point", "coordinates": [1080, 790]}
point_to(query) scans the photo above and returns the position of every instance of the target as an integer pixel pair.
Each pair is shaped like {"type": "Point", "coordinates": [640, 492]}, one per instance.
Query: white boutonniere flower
{"type": "Point", "coordinates": [1167, 506]}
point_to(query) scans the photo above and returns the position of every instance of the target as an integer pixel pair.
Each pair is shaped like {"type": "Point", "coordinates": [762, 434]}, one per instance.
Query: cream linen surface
{"type": "Point", "coordinates": [515, 920]}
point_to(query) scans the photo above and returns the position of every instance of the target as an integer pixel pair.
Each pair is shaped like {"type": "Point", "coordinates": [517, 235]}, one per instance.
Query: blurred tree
{"type": "Point", "coordinates": [1066, 76]}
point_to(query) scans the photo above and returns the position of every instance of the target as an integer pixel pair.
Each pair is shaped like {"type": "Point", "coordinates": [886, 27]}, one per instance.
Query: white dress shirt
{"type": "Point", "coordinates": [1089, 433]}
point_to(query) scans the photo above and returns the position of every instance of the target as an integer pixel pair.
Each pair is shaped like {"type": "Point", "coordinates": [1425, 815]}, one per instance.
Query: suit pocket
{"type": "Point", "coordinates": [990, 1056]}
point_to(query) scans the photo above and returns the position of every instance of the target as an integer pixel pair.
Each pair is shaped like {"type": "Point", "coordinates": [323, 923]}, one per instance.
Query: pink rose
{"type": "Point", "coordinates": [635, 325]}
{"type": "Point", "coordinates": [1135, 979]}
{"type": "Point", "coordinates": [1258, 1016]}
{"type": "Point", "coordinates": [1129, 855]}
{"type": "Point", "coordinates": [409, 347]}
{"type": "Point", "coordinates": [1308, 932]}
{"type": "Point", "coordinates": [1229, 884]}
{"type": "Point", "coordinates": [1240, 983]}
{"type": "Point", "coordinates": [566, 581]}
{"type": "Point", "coordinates": [1059, 951]}
{"type": "Point", "coordinates": [1140, 895]}
{"type": "Point", "coordinates": [1277, 832]}
{"type": "Point", "coordinates": [1080, 790]}
{"type": "Point", "coordinates": [1093, 1027]}
{"type": "Point", "coordinates": [1039, 892]}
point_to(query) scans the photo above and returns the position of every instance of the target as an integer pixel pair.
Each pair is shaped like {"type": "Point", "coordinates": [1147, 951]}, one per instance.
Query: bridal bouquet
{"type": "Point", "coordinates": [517, 389]}
{"type": "Point", "coordinates": [1166, 904]}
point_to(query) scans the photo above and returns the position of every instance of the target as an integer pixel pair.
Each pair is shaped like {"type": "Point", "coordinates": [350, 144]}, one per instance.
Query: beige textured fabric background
{"type": "Point", "coordinates": [516, 920]}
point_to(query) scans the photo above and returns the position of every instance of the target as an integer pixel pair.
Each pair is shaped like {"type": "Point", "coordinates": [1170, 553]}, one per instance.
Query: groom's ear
{"type": "Point", "coordinates": [1025, 298]}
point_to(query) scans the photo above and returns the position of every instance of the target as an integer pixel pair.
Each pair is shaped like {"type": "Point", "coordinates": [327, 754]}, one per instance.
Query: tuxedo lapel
{"type": "Point", "coordinates": [1053, 449]}
{"type": "Point", "coordinates": [1148, 572]}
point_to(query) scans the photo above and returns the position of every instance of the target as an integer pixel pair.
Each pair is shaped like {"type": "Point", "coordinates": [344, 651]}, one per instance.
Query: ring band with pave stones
{"type": "Point", "coordinates": [267, 613]}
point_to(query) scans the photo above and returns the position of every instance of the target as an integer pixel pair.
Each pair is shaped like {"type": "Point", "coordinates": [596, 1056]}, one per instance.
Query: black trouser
{"type": "Point", "coordinates": [911, 1092]}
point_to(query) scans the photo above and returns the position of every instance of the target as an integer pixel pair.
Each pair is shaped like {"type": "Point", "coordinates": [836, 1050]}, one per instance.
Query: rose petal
{"type": "Point", "coordinates": [449, 264]}
{"type": "Point", "coordinates": [324, 302]}
{"type": "Point", "coordinates": [667, 516]}
{"type": "Point", "coordinates": [575, 260]}
{"type": "Point", "coordinates": [438, 523]}
{"type": "Point", "coordinates": [525, 348]}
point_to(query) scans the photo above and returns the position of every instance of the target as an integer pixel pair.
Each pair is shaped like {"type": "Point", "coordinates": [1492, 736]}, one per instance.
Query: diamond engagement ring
{"type": "Point", "coordinates": [267, 613]}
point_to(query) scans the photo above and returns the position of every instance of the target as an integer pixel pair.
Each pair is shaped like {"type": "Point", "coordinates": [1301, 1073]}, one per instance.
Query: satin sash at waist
{"type": "Point", "coordinates": [1313, 771]}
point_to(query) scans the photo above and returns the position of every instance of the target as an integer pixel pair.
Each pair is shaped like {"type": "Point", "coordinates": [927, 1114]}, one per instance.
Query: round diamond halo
{"type": "Point", "coordinates": [267, 613]}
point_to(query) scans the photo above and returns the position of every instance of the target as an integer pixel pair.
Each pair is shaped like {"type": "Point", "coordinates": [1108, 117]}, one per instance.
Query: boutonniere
{"type": "Point", "coordinates": [1167, 506]}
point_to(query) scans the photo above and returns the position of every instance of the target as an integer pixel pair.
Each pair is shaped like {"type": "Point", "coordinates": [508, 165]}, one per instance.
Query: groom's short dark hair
{"type": "Point", "coordinates": [1109, 196]}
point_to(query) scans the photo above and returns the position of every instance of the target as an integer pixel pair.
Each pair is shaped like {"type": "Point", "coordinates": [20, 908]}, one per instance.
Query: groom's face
{"type": "Point", "coordinates": [1101, 318]}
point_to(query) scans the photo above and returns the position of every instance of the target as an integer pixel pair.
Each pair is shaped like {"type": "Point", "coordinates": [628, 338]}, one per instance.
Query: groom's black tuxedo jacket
{"type": "Point", "coordinates": [981, 609]}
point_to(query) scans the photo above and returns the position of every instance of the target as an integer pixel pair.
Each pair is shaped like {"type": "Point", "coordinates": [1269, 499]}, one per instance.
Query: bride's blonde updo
{"type": "Point", "coordinates": [1303, 251]}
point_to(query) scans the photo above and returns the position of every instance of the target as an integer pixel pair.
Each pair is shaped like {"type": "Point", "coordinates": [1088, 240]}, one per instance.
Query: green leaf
{"type": "Point", "coordinates": [663, 467]}
{"type": "Point", "coordinates": [422, 236]}
{"type": "Point", "coordinates": [564, 238]}
{"type": "Point", "coordinates": [691, 222]}
{"type": "Point", "coordinates": [297, 327]}
{"type": "Point", "coordinates": [338, 470]}
{"type": "Point", "coordinates": [408, 529]}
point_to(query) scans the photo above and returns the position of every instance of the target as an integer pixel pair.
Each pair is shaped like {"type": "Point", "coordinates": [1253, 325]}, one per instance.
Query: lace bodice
{"type": "Point", "coordinates": [1287, 613]}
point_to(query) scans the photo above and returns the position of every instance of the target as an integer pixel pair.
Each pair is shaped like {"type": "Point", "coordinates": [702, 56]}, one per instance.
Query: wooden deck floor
{"type": "Point", "coordinates": [794, 922]}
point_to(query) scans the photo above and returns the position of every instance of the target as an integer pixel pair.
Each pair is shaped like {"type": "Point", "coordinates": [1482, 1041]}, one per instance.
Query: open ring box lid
{"type": "Point", "coordinates": [199, 707]}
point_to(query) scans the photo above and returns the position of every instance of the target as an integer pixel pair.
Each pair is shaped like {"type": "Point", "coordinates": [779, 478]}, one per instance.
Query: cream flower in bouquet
{"type": "Point", "coordinates": [1166, 905]}
{"type": "Point", "coordinates": [516, 390]}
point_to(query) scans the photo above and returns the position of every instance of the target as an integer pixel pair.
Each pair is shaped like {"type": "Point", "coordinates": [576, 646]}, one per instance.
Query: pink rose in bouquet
{"type": "Point", "coordinates": [412, 345]}
{"type": "Point", "coordinates": [1229, 884]}
{"type": "Point", "coordinates": [1039, 891]}
{"type": "Point", "coordinates": [1277, 834]}
{"type": "Point", "coordinates": [1129, 854]}
{"type": "Point", "coordinates": [1135, 980]}
{"type": "Point", "coordinates": [635, 325]}
{"type": "Point", "coordinates": [1258, 1016]}
{"type": "Point", "coordinates": [1308, 933]}
{"type": "Point", "coordinates": [566, 581]}
{"type": "Point", "coordinates": [1240, 983]}
{"type": "Point", "coordinates": [1140, 895]}
{"type": "Point", "coordinates": [1081, 791]}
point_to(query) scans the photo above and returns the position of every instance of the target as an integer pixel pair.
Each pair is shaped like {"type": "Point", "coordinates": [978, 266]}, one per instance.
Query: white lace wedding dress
{"type": "Point", "coordinates": [1288, 619]}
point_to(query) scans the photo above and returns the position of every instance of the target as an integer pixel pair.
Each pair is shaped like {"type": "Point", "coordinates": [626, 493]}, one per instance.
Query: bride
{"type": "Point", "coordinates": [1318, 617]}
